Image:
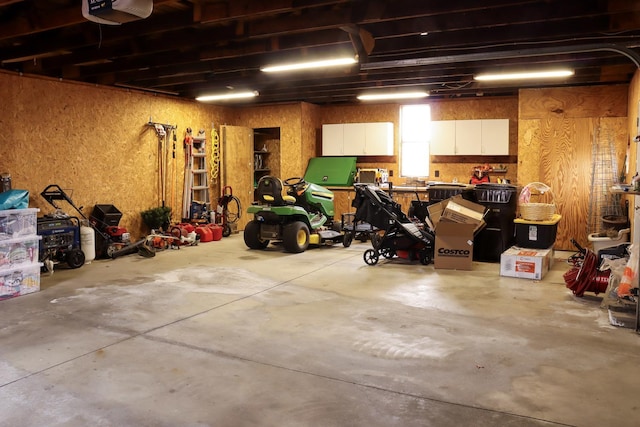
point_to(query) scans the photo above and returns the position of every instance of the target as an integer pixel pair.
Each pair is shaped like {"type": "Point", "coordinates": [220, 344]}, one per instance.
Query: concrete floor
{"type": "Point", "coordinates": [218, 335]}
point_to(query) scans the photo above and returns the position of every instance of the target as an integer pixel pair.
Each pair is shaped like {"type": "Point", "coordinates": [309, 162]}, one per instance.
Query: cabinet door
{"type": "Point", "coordinates": [495, 137]}
{"type": "Point", "coordinates": [379, 139]}
{"type": "Point", "coordinates": [443, 138]}
{"type": "Point", "coordinates": [237, 166]}
{"type": "Point", "coordinates": [332, 140]}
{"type": "Point", "coordinates": [468, 137]}
{"type": "Point", "coordinates": [354, 139]}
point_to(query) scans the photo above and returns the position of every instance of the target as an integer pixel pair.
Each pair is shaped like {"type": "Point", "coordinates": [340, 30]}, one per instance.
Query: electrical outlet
{"type": "Point", "coordinates": [436, 174]}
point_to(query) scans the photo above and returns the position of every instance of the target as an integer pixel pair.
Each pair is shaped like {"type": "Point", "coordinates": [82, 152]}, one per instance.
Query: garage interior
{"type": "Point", "coordinates": [218, 334]}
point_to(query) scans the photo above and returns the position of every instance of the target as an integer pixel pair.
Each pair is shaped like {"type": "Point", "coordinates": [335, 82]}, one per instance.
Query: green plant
{"type": "Point", "coordinates": [156, 218]}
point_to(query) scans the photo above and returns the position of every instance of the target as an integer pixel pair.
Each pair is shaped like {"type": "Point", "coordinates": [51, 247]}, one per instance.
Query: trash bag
{"type": "Point", "coordinates": [14, 199]}
{"type": "Point", "coordinates": [629, 278]}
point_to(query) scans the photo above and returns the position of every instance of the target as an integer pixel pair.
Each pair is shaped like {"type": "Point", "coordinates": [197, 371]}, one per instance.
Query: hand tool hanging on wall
{"type": "Point", "coordinates": [215, 154]}
{"type": "Point", "coordinates": [163, 131]}
{"type": "Point", "coordinates": [162, 135]}
{"type": "Point", "coordinates": [186, 199]}
{"type": "Point", "coordinates": [174, 171]}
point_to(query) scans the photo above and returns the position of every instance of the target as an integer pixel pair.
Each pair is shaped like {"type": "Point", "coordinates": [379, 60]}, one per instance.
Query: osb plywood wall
{"type": "Point", "coordinates": [364, 114]}
{"type": "Point", "coordinates": [557, 128]}
{"type": "Point", "coordinates": [95, 143]}
{"type": "Point", "coordinates": [633, 125]}
{"type": "Point", "coordinates": [311, 131]}
{"type": "Point", "coordinates": [476, 109]}
{"type": "Point", "coordinates": [288, 119]}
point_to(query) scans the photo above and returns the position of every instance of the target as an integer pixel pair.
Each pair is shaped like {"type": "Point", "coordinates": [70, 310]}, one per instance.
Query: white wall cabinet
{"type": "Point", "coordinates": [488, 137]}
{"type": "Point", "coordinates": [357, 139]}
{"type": "Point", "coordinates": [443, 138]}
{"type": "Point", "coordinates": [332, 140]}
{"type": "Point", "coordinates": [495, 137]}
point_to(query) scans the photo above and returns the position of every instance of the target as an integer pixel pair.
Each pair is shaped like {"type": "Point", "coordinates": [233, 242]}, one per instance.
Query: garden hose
{"type": "Point", "coordinates": [215, 154]}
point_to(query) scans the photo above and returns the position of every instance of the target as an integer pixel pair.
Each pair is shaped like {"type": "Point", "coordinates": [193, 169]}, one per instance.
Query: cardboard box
{"type": "Point", "coordinates": [454, 245]}
{"type": "Point", "coordinates": [459, 210]}
{"type": "Point", "coordinates": [463, 211]}
{"type": "Point", "coordinates": [456, 222]}
{"type": "Point", "coordinates": [435, 211]}
{"type": "Point", "coordinates": [526, 263]}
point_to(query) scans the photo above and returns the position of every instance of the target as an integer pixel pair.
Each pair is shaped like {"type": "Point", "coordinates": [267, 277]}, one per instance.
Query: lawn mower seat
{"type": "Point", "coordinates": [270, 191]}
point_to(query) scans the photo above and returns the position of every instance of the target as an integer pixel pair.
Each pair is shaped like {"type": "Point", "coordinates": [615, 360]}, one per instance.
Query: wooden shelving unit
{"type": "Point", "coordinates": [266, 153]}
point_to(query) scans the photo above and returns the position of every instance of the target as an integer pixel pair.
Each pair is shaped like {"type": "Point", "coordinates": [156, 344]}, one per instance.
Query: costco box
{"type": "Point", "coordinates": [435, 211]}
{"type": "Point", "coordinates": [526, 263]}
{"type": "Point", "coordinates": [456, 222]}
{"type": "Point", "coordinates": [464, 212]}
{"type": "Point", "coordinates": [458, 210]}
{"type": "Point", "coordinates": [454, 245]}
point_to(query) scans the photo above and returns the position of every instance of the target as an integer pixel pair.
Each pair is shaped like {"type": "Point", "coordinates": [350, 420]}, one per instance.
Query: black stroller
{"type": "Point", "coordinates": [402, 237]}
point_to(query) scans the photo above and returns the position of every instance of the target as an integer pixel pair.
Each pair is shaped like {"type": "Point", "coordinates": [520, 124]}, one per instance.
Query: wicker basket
{"type": "Point", "coordinates": [536, 202]}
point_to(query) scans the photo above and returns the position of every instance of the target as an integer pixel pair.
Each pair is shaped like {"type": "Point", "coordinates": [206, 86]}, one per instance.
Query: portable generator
{"type": "Point", "coordinates": [60, 240]}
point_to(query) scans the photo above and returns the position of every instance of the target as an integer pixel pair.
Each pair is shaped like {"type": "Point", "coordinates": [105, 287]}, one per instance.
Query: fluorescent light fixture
{"type": "Point", "coordinates": [524, 75]}
{"type": "Point", "coordinates": [227, 96]}
{"type": "Point", "coordinates": [336, 62]}
{"type": "Point", "coordinates": [393, 95]}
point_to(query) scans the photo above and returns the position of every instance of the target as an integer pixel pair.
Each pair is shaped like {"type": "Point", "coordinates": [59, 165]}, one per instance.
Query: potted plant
{"type": "Point", "coordinates": [157, 218]}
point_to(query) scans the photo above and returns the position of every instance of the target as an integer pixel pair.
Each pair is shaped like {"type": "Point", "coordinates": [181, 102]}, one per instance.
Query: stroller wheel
{"type": "Point", "coordinates": [425, 257]}
{"type": "Point", "coordinates": [388, 253]}
{"type": "Point", "coordinates": [347, 239]}
{"type": "Point", "coordinates": [371, 256]}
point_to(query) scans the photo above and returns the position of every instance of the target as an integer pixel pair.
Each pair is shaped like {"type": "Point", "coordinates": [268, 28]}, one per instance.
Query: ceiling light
{"type": "Point", "coordinates": [227, 96]}
{"type": "Point", "coordinates": [524, 75]}
{"type": "Point", "coordinates": [393, 95]}
{"type": "Point", "coordinates": [336, 62]}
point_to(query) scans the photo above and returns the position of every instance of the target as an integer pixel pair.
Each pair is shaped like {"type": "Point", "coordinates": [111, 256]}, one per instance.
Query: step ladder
{"type": "Point", "coordinates": [196, 204]}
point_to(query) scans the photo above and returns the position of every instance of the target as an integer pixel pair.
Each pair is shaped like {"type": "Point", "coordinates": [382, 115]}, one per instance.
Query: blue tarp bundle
{"type": "Point", "coordinates": [14, 199]}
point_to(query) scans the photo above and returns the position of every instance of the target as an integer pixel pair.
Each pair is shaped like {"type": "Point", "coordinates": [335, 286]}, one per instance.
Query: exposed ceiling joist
{"type": "Point", "coordinates": [190, 47]}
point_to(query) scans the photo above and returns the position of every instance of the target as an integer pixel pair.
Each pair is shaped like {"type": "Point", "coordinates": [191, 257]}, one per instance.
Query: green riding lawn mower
{"type": "Point", "coordinates": [293, 212]}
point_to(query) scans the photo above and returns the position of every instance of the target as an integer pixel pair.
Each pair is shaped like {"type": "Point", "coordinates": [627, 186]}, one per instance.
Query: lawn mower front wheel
{"type": "Point", "coordinates": [295, 237]}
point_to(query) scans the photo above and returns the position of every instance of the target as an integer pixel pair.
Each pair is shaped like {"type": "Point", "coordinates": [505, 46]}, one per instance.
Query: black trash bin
{"type": "Point", "coordinates": [501, 202]}
{"type": "Point", "coordinates": [440, 192]}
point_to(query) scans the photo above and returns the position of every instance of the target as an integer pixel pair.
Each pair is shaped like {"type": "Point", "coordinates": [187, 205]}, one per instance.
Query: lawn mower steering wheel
{"type": "Point", "coordinates": [294, 182]}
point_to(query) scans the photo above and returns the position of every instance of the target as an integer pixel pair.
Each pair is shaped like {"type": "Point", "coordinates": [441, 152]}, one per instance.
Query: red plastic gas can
{"type": "Point", "coordinates": [205, 233]}
{"type": "Point", "coordinates": [216, 230]}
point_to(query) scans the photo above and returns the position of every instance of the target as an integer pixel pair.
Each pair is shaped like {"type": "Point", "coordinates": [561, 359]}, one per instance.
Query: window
{"type": "Point", "coordinates": [414, 140]}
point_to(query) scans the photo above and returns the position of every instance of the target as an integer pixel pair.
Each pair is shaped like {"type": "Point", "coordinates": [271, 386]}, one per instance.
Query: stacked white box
{"type": "Point", "coordinates": [19, 251]}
